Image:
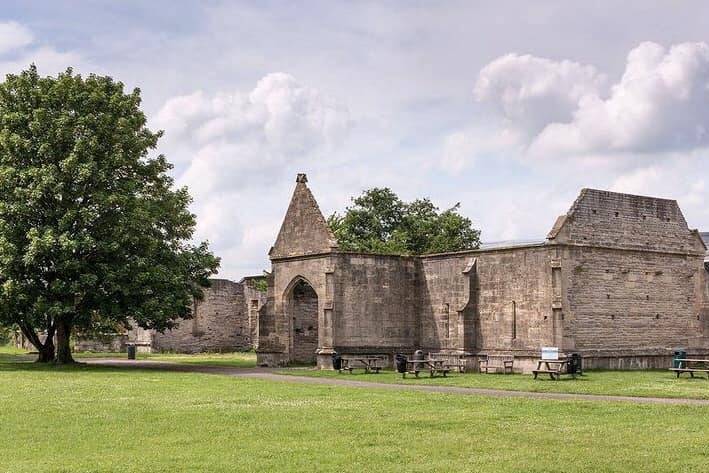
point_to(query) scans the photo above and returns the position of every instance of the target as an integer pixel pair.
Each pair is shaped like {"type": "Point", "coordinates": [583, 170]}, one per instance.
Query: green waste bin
{"type": "Point", "coordinates": [131, 352]}
{"type": "Point", "coordinates": [679, 355]}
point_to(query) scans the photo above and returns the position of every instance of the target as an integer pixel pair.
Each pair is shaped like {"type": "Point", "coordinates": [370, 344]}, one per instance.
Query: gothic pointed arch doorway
{"type": "Point", "coordinates": [303, 315]}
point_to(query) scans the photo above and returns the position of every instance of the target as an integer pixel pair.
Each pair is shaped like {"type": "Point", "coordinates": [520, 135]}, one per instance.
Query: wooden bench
{"type": "Point", "coordinates": [492, 362]}
{"type": "Point", "coordinates": [554, 368]}
{"type": "Point", "coordinates": [433, 366]}
{"type": "Point", "coordinates": [691, 366]}
{"type": "Point", "coordinates": [453, 361]}
{"type": "Point", "coordinates": [370, 363]}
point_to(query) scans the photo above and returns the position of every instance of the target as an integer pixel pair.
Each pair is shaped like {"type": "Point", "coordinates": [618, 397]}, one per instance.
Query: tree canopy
{"type": "Point", "coordinates": [380, 222]}
{"type": "Point", "coordinates": [92, 230]}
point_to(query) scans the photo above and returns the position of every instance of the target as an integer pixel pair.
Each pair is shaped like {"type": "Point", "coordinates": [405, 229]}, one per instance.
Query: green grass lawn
{"type": "Point", "coordinates": [92, 419]}
{"type": "Point", "coordinates": [650, 383]}
{"type": "Point", "coordinates": [236, 359]}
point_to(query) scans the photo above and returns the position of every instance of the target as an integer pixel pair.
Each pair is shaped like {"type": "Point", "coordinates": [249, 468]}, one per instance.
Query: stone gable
{"type": "Point", "coordinates": [614, 220]}
{"type": "Point", "coordinates": [304, 230]}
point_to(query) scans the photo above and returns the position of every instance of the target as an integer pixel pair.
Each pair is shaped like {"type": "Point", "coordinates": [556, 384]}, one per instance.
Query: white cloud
{"type": "Point", "coordinates": [531, 92]}
{"type": "Point", "coordinates": [223, 136]}
{"type": "Point", "coordinates": [659, 104]}
{"type": "Point", "coordinates": [13, 36]}
{"type": "Point", "coordinates": [233, 146]}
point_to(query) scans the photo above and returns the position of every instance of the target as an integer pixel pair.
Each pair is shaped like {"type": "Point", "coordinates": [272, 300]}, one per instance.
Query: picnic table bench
{"type": "Point", "coordinates": [432, 365]}
{"type": "Point", "coordinates": [370, 363]}
{"type": "Point", "coordinates": [451, 360]}
{"type": "Point", "coordinates": [691, 366]}
{"type": "Point", "coordinates": [490, 363]}
{"type": "Point", "coordinates": [554, 368]}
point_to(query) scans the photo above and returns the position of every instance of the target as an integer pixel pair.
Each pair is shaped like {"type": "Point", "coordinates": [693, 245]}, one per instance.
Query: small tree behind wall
{"type": "Point", "coordinates": [380, 222]}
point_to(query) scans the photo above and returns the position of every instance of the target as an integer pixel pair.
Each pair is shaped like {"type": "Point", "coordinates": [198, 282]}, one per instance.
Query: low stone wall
{"type": "Point", "coordinates": [102, 343]}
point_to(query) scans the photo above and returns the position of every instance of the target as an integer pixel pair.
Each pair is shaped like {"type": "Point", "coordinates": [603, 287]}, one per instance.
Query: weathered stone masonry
{"type": "Point", "coordinates": [226, 319]}
{"type": "Point", "coordinates": [620, 279]}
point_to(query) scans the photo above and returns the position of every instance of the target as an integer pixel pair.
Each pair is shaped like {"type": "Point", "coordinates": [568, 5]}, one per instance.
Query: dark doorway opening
{"type": "Point", "coordinates": [304, 317]}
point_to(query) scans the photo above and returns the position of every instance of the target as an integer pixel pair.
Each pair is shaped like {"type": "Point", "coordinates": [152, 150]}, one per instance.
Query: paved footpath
{"type": "Point", "coordinates": [270, 374]}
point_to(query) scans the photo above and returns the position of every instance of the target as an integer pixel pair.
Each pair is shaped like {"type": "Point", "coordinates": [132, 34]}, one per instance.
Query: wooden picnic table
{"type": "Point", "coordinates": [370, 363]}
{"type": "Point", "coordinates": [451, 360]}
{"type": "Point", "coordinates": [488, 364]}
{"type": "Point", "coordinates": [433, 365]}
{"type": "Point", "coordinates": [554, 368]}
{"type": "Point", "coordinates": [691, 366]}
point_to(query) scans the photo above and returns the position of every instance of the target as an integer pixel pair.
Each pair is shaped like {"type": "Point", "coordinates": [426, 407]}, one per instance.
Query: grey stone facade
{"type": "Point", "coordinates": [225, 320]}
{"type": "Point", "coordinates": [219, 323]}
{"type": "Point", "coordinates": [619, 279]}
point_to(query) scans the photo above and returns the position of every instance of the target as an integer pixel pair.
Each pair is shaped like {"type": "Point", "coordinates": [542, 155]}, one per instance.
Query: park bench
{"type": "Point", "coordinates": [554, 368]}
{"type": "Point", "coordinates": [691, 366]}
{"type": "Point", "coordinates": [492, 363]}
{"type": "Point", "coordinates": [369, 363]}
{"type": "Point", "coordinates": [432, 365]}
{"type": "Point", "coordinates": [454, 361]}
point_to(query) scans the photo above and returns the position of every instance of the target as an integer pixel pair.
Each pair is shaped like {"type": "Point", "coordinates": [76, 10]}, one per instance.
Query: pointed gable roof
{"type": "Point", "coordinates": [304, 230]}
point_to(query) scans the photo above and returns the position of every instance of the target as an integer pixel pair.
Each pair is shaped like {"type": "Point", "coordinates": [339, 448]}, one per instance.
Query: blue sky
{"type": "Point", "coordinates": [509, 108]}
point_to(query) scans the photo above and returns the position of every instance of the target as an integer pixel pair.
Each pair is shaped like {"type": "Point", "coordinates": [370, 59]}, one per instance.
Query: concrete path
{"type": "Point", "coordinates": [270, 374]}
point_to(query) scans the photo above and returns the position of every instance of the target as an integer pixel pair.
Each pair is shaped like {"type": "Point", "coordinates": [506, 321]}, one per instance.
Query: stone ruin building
{"type": "Point", "coordinates": [620, 279]}
{"type": "Point", "coordinates": [225, 320]}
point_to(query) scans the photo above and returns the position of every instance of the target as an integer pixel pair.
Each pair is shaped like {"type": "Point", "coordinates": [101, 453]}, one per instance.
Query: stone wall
{"type": "Point", "coordinates": [613, 220]}
{"type": "Point", "coordinates": [628, 301]}
{"type": "Point", "coordinates": [632, 276]}
{"type": "Point", "coordinates": [376, 305]}
{"type": "Point", "coordinates": [220, 322]}
{"type": "Point", "coordinates": [254, 299]}
{"type": "Point", "coordinates": [620, 279]}
{"type": "Point", "coordinates": [492, 300]}
{"type": "Point", "coordinates": [112, 342]}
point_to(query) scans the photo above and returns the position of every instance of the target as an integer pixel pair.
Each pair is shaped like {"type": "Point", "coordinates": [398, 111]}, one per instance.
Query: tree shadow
{"type": "Point", "coordinates": [27, 363]}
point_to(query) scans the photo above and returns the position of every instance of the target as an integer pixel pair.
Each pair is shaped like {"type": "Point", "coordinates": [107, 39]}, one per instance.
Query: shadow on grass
{"type": "Point", "coordinates": [27, 363]}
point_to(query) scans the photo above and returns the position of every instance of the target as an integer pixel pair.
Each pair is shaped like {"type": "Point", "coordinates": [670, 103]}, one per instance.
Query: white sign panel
{"type": "Point", "coordinates": [550, 353]}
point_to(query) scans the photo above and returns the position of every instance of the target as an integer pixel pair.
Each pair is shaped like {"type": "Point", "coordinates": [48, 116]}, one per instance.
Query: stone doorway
{"type": "Point", "coordinates": [303, 305]}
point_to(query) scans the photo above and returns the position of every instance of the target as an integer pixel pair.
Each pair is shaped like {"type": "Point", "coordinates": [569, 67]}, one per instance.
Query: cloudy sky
{"type": "Point", "coordinates": [506, 108]}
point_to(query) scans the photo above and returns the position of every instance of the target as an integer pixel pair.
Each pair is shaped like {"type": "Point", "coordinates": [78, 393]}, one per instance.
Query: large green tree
{"type": "Point", "coordinates": [92, 230]}
{"type": "Point", "coordinates": [380, 222]}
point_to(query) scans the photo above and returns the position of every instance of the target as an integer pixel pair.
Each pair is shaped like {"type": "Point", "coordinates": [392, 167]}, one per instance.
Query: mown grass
{"type": "Point", "coordinates": [650, 383]}
{"type": "Point", "coordinates": [236, 359]}
{"type": "Point", "coordinates": [93, 419]}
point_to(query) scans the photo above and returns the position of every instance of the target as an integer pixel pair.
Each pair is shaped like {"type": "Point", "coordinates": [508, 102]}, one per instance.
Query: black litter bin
{"type": "Point", "coordinates": [400, 362]}
{"type": "Point", "coordinates": [678, 355]}
{"type": "Point", "coordinates": [575, 365]}
{"type": "Point", "coordinates": [131, 352]}
{"type": "Point", "coordinates": [336, 361]}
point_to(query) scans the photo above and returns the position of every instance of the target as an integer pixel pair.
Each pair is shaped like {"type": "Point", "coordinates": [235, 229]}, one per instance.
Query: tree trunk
{"type": "Point", "coordinates": [46, 349]}
{"type": "Point", "coordinates": [64, 327]}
